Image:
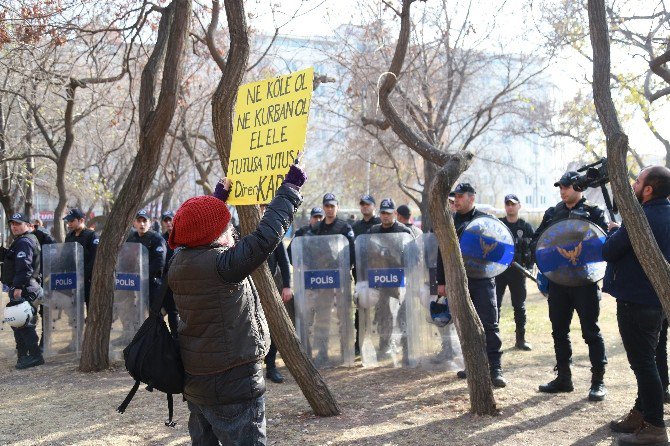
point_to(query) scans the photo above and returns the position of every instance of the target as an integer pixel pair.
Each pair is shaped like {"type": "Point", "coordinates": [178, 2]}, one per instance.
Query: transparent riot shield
{"type": "Point", "coordinates": [63, 271]}
{"type": "Point", "coordinates": [438, 347]}
{"type": "Point", "coordinates": [7, 343]}
{"type": "Point", "coordinates": [324, 308]}
{"type": "Point", "coordinates": [131, 295]}
{"type": "Point", "coordinates": [390, 278]}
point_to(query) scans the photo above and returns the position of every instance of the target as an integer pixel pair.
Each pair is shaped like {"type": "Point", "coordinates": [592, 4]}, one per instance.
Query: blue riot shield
{"type": "Point", "coordinates": [63, 271]}
{"type": "Point", "coordinates": [323, 302]}
{"type": "Point", "coordinates": [569, 252]}
{"type": "Point", "coordinates": [131, 295]}
{"type": "Point", "coordinates": [487, 247]}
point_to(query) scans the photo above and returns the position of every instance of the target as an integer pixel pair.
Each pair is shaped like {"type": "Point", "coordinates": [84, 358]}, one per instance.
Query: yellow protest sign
{"type": "Point", "coordinates": [270, 127]}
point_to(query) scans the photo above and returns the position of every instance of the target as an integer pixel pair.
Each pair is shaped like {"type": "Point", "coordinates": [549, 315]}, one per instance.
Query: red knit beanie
{"type": "Point", "coordinates": [199, 221]}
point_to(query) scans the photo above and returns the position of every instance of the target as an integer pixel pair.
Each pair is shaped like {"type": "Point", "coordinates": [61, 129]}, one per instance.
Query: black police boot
{"type": "Point", "coordinates": [598, 390]}
{"type": "Point", "coordinates": [33, 360]}
{"type": "Point", "coordinates": [22, 356]}
{"type": "Point", "coordinates": [461, 374]}
{"type": "Point", "coordinates": [273, 375]}
{"type": "Point", "coordinates": [521, 343]}
{"type": "Point", "coordinates": [497, 378]}
{"type": "Point", "coordinates": [562, 383]}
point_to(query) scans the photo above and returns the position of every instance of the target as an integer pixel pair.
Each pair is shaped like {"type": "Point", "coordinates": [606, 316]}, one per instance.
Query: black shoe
{"type": "Point", "coordinates": [562, 383]}
{"type": "Point", "coordinates": [31, 361]}
{"type": "Point", "coordinates": [461, 374]}
{"type": "Point", "coordinates": [273, 375]}
{"type": "Point", "coordinates": [497, 379]}
{"type": "Point", "coordinates": [597, 392]}
{"type": "Point", "coordinates": [521, 344]}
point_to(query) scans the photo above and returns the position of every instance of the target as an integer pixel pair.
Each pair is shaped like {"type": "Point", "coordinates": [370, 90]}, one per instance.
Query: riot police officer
{"type": "Point", "coordinates": [155, 245]}
{"type": "Point", "coordinates": [404, 216]}
{"type": "Point", "coordinates": [21, 273]}
{"type": "Point", "coordinates": [565, 300]}
{"type": "Point", "coordinates": [522, 232]}
{"type": "Point", "coordinates": [367, 204]}
{"type": "Point", "coordinates": [88, 239]}
{"type": "Point", "coordinates": [482, 291]}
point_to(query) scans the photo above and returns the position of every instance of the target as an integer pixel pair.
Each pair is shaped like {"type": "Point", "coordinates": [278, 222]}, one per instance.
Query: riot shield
{"type": "Point", "coordinates": [390, 278]}
{"type": "Point", "coordinates": [131, 295]}
{"type": "Point", "coordinates": [7, 343]}
{"type": "Point", "coordinates": [569, 252]}
{"type": "Point", "coordinates": [63, 271]}
{"type": "Point", "coordinates": [438, 347]}
{"type": "Point", "coordinates": [487, 246]}
{"type": "Point", "coordinates": [323, 302]}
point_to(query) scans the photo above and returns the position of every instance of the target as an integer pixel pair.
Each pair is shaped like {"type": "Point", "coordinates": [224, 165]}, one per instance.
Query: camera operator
{"type": "Point", "coordinates": [639, 311]}
{"type": "Point", "coordinates": [565, 300]}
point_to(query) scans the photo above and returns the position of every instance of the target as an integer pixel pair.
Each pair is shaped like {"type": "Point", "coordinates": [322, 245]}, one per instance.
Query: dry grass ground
{"type": "Point", "coordinates": [56, 405]}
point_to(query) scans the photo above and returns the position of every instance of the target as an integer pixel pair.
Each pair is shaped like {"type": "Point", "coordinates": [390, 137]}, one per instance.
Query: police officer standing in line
{"type": "Point", "coordinates": [87, 238]}
{"type": "Point", "coordinates": [155, 245]}
{"type": "Point", "coordinates": [168, 303]}
{"type": "Point", "coordinates": [404, 216]}
{"type": "Point", "coordinates": [389, 223]}
{"type": "Point", "coordinates": [522, 233]}
{"type": "Point", "coordinates": [482, 291]}
{"type": "Point", "coordinates": [564, 300]}
{"type": "Point", "coordinates": [367, 204]}
{"type": "Point", "coordinates": [21, 273]}
{"type": "Point", "coordinates": [315, 216]}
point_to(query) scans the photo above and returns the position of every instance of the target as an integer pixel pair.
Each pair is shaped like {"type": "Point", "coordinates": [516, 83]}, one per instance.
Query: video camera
{"type": "Point", "coordinates": [596, 176]}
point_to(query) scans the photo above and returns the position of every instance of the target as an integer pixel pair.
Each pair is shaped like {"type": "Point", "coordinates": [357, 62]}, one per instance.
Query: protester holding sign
{"type": "Point", "coordinates": [223, 350]}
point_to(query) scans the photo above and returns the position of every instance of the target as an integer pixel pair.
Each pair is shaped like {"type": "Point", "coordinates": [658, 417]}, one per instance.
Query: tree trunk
{"type": "Point", "coordinates": [644, 244]}
{"type": "Point", "coordinates": [468, 325]}
{"type": "Point", "coordinates": [154, 121]}
{"type": "Point", "coordinates": [308, 378]}
{"type": "Point", "coordinates": [429, 171]}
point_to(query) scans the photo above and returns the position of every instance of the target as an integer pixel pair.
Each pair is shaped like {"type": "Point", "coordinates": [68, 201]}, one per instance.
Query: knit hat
{"type": "Point", "coordinates": [199, 221]}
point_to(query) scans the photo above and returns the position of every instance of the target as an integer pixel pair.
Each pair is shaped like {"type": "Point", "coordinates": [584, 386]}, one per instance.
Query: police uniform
{"type": "Point", "coordinates": [363, 226]}
{"type": "Point", "coordinates": [303, 230]}
{"type": "Point", "coordinates": [323, 306]}
{"type": "Point", "coordinates": [155, 245]}
{"type": "Point", "coordinates": [482, 293]}
{"type": "Point", "coordinates": [522, 232]}
{"type": "Point", "coordinates": [21, 270]}
{"type": "Point", "coordinates": [564, 301]}
{"type": "Point", "coordinates": [89, 240]}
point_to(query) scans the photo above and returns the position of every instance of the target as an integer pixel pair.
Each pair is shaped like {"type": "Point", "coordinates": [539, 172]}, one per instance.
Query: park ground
{"type": "Point", "coordinates": [56, 405]}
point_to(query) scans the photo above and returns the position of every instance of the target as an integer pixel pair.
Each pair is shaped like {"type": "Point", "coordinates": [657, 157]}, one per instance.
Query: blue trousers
{"type": "Point", "coordinates": [239, 424]}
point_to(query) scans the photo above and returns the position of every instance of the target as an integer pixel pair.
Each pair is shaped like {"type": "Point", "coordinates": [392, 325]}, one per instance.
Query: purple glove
{"type": "Point", "coordinates": [220, 192]}
{"type": "Point", "coordinates": [295, 176]}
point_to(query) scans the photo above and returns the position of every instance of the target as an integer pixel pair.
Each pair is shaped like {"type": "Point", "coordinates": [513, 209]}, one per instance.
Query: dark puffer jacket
{"type": "Point", "coordinates": [224, 334]}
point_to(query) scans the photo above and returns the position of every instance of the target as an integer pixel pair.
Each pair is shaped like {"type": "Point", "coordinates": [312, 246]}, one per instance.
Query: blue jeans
{"type": "Point", "coordinates": [639, 326]}
{"type": "Point", "coordinates": [239, 424]}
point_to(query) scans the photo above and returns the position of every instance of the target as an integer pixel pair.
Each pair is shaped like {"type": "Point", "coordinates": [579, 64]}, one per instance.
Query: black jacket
{"type": "Point", "coordinates": [88, 239]}
{"type": "Point", "coordinates": [363, 227]}
{"type": "Point", "coordinates": [624, 278]}
{"type": "Point", "coordinates": [21, 265]}
{"type": "Point", "coordinates": [224, 335]}
{"type": "Point", "coordinates": [522, 232]}
{"type": "Point", "coordinates": [397, 227]}
{"type": "Point", "coordinates": [460, 222]}
{"type": "Point", "coordinates": [155, 244]}
{"type": "Point", "coordinates": [338, 227]}
{"type": "Point", "coordinates": [278, 262]}
{"type": "Point", "coordinates": [583, 209]}
{"type": "Point", "coordinates": [43, 237]}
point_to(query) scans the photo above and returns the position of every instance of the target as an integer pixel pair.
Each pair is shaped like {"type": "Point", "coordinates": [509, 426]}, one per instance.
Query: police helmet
{"type": "Point", "coordinates": [18, 314]}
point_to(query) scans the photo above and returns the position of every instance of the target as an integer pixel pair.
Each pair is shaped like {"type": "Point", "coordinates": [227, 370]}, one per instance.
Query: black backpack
{"type": "Point", "coordinates": [153, 358]}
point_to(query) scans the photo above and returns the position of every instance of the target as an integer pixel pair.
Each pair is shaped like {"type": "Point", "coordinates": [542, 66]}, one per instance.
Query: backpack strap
{"type": "Point", "coordinates": [124, 405]}
{"type": "Point", "coordinates": [157, 304]}
{"type": "Point", "coordinates": [169, 422]}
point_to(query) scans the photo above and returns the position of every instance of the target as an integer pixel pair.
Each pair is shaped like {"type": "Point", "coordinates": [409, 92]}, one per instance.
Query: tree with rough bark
{"type": "Point", "coordinates": [155, 113]}
{"type": "Point", "coordinates": [642, 239]}
{"type": "Point", "coordinates": [450, 165]}
{"type": "Point", "coordinates": [233, 68]}
{"type": "Point", "coordinates": [457, 90]}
